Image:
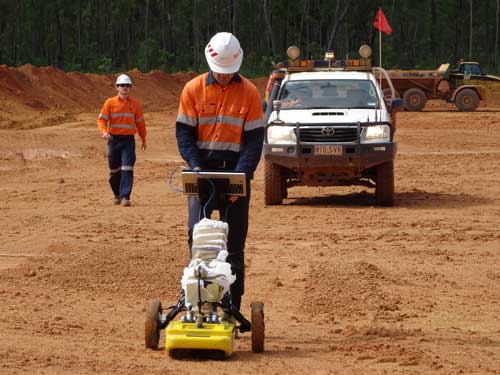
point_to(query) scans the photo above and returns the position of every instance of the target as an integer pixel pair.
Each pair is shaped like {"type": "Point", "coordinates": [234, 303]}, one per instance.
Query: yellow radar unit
{"type": "Point", "coordinates": [209, 321]}
{"type": "Point", "coordinates": [216, 337]}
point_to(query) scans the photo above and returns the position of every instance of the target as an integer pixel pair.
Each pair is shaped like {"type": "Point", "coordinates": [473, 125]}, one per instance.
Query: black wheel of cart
{"type": "Point", "coordinates": [151, 326]}
{"type": "Point", "coordinates": [258, 327]}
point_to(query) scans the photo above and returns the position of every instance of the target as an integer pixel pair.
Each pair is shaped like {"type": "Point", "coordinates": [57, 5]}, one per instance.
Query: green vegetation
{"type": "Point", "coordinates": [108, 36]}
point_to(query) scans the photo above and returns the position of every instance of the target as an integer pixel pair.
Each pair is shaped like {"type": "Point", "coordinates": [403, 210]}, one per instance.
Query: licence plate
{"type": "Point", "coordinates": [328, 150]}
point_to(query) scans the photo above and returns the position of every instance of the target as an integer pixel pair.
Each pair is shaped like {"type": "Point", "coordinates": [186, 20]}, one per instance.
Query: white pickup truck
{"type": "Point", "coordinates": [328, 125]}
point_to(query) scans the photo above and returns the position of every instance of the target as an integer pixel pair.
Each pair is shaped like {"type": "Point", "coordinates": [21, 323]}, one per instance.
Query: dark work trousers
{"type": "Point", "coordinates": [236, 215]}
{"type": "Point", "coordinates": [121, 160]}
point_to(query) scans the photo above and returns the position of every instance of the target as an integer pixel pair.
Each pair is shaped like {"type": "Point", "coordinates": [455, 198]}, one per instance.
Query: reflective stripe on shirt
{"type": "Point", "coordinates": [230, 120]}
{"type": "Point", "coordinates": [221, 119]}
{"type": "Point", "coordinates": [207, 120]}
{"type": "Point", "coordinates": [113, 115]}
{"type": "Point", "coordinates": [191, 121]}
{"type": "Point", "coordinates": [251, 125]}
{"type": "Point", "coordinates": [221, 146]}
{"type": "Point", "coordinates": [122, 126]}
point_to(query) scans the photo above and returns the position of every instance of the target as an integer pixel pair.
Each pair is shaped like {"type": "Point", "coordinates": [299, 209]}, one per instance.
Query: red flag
{"type": "Point", "coordinates": [381, 23]}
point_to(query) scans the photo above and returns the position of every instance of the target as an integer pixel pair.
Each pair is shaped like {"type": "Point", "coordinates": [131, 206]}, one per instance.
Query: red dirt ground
{"type": "Point", "coordinates": [349, 288]}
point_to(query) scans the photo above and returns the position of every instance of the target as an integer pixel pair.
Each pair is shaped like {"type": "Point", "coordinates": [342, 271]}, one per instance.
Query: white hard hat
{"type": "Point", "coordinates": [223, 53]}
{"type": "Point", "coordinates": [123, 79]}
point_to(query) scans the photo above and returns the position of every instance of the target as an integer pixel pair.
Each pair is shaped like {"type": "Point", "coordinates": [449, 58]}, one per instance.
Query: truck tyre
{"type": "Point", "coordinates": [284, 188]}
{"type": "Point", "coordinates": [384, 189]}
{"type": "Point", "coordinates": [414, 99]}
{"type": "Point", "coordinates": [272, 181]}
{"type": "Point", "coordinates": [467, 100]}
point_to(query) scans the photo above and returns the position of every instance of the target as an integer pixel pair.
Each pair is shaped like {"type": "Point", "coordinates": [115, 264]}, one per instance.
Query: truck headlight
{"type": "Point", "coordinates": [281, 135]}
{"type": "Point", "coordinates": [375, 134]}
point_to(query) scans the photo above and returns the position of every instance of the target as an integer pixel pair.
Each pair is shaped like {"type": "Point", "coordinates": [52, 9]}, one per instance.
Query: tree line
{"type": "Point", "coordinates": [109, 36]}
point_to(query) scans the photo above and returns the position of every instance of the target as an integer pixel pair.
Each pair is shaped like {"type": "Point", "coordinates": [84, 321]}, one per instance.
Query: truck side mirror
{"type": "Point", "coordinates": [277, 108]}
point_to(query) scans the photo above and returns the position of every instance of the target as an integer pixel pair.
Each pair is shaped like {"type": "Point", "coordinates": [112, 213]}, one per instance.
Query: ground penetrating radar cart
{"type": "Point", "coordinates": [209, 321]}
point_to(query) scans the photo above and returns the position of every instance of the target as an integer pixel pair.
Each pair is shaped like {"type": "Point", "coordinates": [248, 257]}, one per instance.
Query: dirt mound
{"type": "Point", "coordinates": [28, 89]}
{"type": "Point", "coordinates": [99, 269]}
{"type": "Point", "coordinates": [51, 88]}
{"type": "Point", "coordinates": [353, 289]}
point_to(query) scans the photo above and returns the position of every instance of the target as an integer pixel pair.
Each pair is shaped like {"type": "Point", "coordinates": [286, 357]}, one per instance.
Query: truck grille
{"type": "Point", "coordinates": [325, 134]}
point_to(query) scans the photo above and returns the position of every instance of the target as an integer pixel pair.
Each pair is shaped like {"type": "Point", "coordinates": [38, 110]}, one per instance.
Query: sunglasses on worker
{"type": "Point", "coordinates": [123, 85]}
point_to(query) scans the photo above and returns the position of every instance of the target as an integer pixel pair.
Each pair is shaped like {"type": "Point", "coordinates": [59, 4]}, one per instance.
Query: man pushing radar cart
{"type": "Point", "coordinates": [209, 320]}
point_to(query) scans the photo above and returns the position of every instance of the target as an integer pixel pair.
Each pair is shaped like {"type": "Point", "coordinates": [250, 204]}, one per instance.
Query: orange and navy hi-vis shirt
{"type": "Point", "coordinates": [218, 123]}
{"type": "Point", "coordinates": [122, 117]}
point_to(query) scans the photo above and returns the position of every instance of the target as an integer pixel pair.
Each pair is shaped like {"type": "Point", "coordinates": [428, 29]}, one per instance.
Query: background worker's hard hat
{"type": "Point", "coordinates": [123, 79]}
{"type": "Point", "coordinates": [223, 53]}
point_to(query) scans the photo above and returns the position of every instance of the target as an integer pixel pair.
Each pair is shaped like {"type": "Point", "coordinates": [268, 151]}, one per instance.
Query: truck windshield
{"type": "Point", "coordinates": [339, 94]}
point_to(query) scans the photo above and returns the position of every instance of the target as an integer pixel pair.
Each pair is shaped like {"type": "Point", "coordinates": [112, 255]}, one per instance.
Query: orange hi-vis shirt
{"type": "Point", "coordinates": [220, 114]}
{"type": "Point", "coordinates": [122, 117]}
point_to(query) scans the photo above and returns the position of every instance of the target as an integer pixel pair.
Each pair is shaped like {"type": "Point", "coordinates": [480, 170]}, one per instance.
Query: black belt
{"type": "Point", "coordinates": [121, 136]}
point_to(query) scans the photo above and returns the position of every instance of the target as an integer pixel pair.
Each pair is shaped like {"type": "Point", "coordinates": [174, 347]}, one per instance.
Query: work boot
{"type": "Point", "coordinates": [116, 201]}
{"type": "Point", "coordinates": [125, 203]}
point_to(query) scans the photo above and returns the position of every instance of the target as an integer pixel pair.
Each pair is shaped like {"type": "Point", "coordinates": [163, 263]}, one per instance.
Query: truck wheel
{"type": "Point", "coordinates": [414, 99]}
{"type": "Point", "coordinates": [467, 100]}
{"type": "Point", "coordinates": [284, 188]}
{"type": "Point", "coordinates": [258, 327]}
{"type": "Point", "coordinates": [384, 189]}
{"type": "Point", "coordinates": [272, 180]}
{"type": "Point", "coordinates": [151, 329]}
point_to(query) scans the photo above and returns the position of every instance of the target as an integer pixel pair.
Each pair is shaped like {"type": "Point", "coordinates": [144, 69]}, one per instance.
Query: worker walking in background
{"type": "Point", "coordinates": [220, 127]}
{"type": "Point", "coordinates": [120, 118]}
